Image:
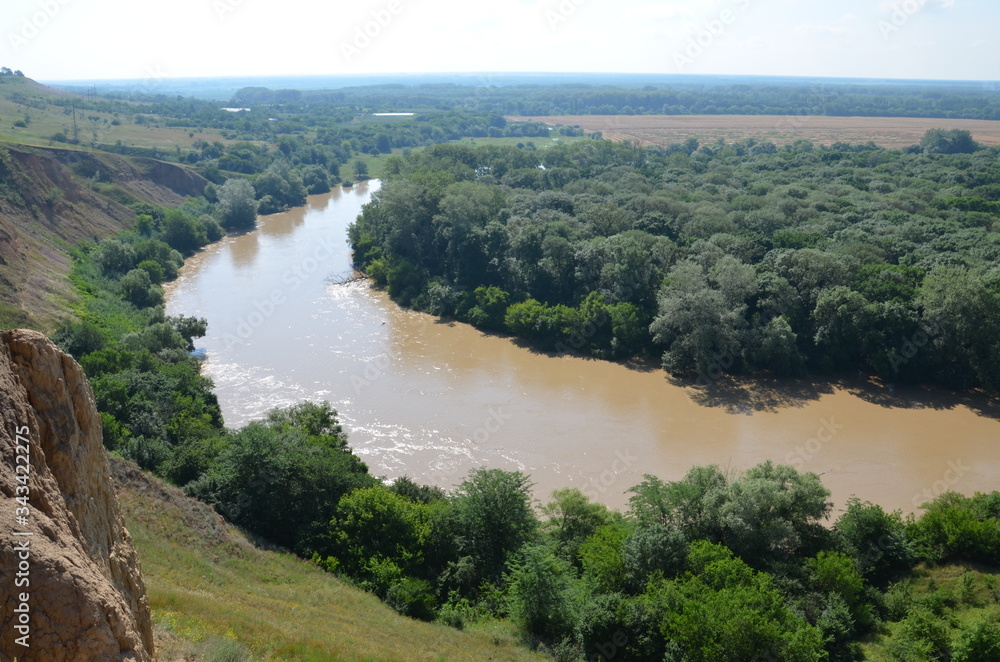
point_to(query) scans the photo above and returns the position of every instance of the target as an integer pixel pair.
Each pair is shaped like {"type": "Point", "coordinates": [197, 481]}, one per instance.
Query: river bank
{"type": "Point", "coordinates": [432, 399]}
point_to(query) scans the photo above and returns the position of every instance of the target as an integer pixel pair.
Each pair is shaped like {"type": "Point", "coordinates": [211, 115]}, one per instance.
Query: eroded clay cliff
{"type": "Point", "coordinates": [80, 582]}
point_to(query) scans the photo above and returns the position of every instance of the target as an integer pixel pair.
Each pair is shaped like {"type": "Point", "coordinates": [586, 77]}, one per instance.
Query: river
{"type": "Point", "coordinates": [432, 399]}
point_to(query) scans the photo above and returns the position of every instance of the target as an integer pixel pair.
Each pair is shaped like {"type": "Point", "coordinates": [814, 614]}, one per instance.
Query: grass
{"type": "Point", "coordinates": [216, 596]}
{"type": "Point", "coordinates": [966, 591]}
{"type": "Point", "coordinates": [26, 101]}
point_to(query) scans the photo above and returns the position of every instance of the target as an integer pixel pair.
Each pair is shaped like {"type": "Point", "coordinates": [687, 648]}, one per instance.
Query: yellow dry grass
{"type": "Point", "coordinates": [893, 132]}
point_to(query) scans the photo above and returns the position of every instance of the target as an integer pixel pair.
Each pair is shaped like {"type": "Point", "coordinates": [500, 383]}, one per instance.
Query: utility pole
{"type": "Point", "coordinates": [76, 131]}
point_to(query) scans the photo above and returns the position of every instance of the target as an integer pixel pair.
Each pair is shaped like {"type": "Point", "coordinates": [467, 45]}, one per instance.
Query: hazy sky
{"type": "Point", "coordinates": [78, 39]}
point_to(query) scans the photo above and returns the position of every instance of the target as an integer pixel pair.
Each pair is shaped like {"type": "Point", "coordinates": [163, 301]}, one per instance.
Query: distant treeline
{"type": "Point", "coordinates": [821, 97]}
{"type": "Point", "coordinates": [717, 258]}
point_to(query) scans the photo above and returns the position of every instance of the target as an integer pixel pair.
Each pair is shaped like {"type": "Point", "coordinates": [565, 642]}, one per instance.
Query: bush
{"type": "Point", "coordinates": [541, 594]}
{"type": "Point", "coordinates": [374, 523]}
{"type": "Point", "coordinates": [137, 288]}
{"type": "Point", "coordinates": [149, 454]}
{"type": "Point", "coordinates": [412, 597]}
{"type": "Point", "coordinates": [79, 338]}
{"type": "Point", "coordinates": [154, 269]}
{"type": "Point", "coordinates": [654, 551]}
{"type": "Point", "coordinates": [927, 633]}
{"type": "Point", "coordinates": [876, 540]}
{"type": "Point", "coordinates": [978, 641]}
{"type": "Point", "coordinates": [262, 461]}
{"type": "Point", "coordinates": [958, 527]}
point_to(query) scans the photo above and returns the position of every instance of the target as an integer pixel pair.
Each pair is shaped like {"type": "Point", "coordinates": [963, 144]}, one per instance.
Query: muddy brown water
{"type": "Point", "coordinates": [432, 399]}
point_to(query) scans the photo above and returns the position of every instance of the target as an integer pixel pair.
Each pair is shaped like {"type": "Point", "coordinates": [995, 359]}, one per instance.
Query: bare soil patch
{"type": "Point", "coordinates": [893, 132]}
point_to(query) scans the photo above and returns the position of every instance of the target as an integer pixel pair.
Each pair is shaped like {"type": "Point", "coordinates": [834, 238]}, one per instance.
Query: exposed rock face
{"type": "Point", "coordinates": [86, 598]}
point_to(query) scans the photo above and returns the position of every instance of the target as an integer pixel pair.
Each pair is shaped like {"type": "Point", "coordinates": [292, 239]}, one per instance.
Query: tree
{"type": "Point", "coordinates": [724, 610]}
{"type": "Point", "coordinates": [652, 552]}
{"type": "Point", "coordinates": [572, 518]}
{"type": "Point", "coordinates": [948, 141]}
{"type": "Point", "coordinates": [768, 513]}
{"type": "Point", "coordinates": [540, 594]}
{"type": "Point", "coordinates": [978, 641]}
{"type": "Point", "coordinates": [700, 325]}
{"type": "Point", "coordinates": [116, 256]}
{"type": "Point", "coordinates": [876, 540]}
{"type": "Point", "coordinates": [372, 525]}
{"type": "Point", "coordinates": [184, 234]}
{"type": "Point", "coordinates": [315, 179]}
{"type": "Point", "coordinates": [237, 206]}
{"type": "Point", "coordinates": [189, 328]}
{"type": "Point", "coordinates": [496, 519]}
{"type": "Point", "coordinates": [490, 308]}
{"type": "Point", "coordinates": [962, 316]}
{"type": "Point", "coordinates": [137, 288]}
{"type": "Point", "coordinates": [262, 461]}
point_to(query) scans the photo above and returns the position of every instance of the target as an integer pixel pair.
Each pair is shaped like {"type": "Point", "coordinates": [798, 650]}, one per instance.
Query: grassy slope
{"type": "Point", "coordinates": [215, 594]}
{"type": "Point", "coordinates": [53, 198]}
{"type": "Point", "coordinates": [23, 98]}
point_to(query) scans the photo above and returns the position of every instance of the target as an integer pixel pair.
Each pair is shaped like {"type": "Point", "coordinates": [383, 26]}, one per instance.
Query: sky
{"type": "Point", "coordinates": [60, 40]}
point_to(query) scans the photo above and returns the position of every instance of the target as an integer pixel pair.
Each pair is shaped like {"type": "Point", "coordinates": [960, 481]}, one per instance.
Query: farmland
{"type": "Point", "coordinates": [891, 132]}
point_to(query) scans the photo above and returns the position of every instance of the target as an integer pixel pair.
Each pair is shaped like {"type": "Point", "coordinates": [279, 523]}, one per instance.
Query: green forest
{"type": "Point", "coordinates": [716, 258]}
{"type": "Point", "coordinates": [717, 565]}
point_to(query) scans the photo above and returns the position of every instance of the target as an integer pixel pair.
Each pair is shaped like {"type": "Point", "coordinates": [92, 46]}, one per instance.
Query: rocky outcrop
{"type": "Point", "coordinates": [76, 574]}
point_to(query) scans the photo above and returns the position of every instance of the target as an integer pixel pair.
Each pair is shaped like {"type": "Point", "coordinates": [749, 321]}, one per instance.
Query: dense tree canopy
{"type": "Point", "coordinates": [718, 258]}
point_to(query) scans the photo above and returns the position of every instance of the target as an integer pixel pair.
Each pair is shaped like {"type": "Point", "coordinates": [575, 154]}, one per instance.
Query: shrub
{"type": "Point", "coordinates": [540, 594]}
{"type": "Point", "coordinates": [412, 597]}
{"type": "Point", "coordinates": [978, 641]}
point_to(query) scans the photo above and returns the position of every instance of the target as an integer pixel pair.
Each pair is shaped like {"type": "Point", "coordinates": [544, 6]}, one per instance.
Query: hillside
{"type": "Point", "coordinates": [33, 114]}
{"type": "Point", "coordinates": [214, 593]}
{"type": "Point", "coordinates": [51, 200]}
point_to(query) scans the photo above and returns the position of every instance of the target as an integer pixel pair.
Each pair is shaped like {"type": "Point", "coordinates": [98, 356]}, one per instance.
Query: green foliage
{"type": "Point", "coordinates": [184, 234]}
{"type": "Point", "coordinates": [540, 593]}
{"type": "Point", "coordinates": [496, 519]}
{"type": "Point", "coordinates": [948, 141]}
{"type": "Point", "coordinates": [138, 289]}
{"type": "Point", "coordinates": [571, 519]}
{"type": "Point", "coordinates": [261, 461]}
{"type": "Point", "coordinates": [724, 610]}
{"type": "Point", "coordinates": [616, 251]}
{"type": "Point", "coordinates": [115, 256]}
{"type": "Point", "coordinates": [602, 557]}
{"type": "Point", "coordinates": [957, 527]}
{"type": "Point", "coordinates": [80, 338]}
{"type": "Point", "coordinates": [490, 308]}
{"type": "Point", "coordinates": [653, 552]}
{"type": "Point", "coordinates": [876, 540]}
{"type": "Point", "coordinates": [412, 597]}
{"type": "Point", "coordinates": [979, 641]}
{"type": "Point", "coordinates": [376, 524]}
{"type": "Point", "coordinates": [315, 180]}
{"type": "Point", "coordinates": [277, 188]}
{"type": "Point", "coordinates": [924, 633]}
{"type": "Point", "coordinates": [769, 512]}
{"type": "Point", "coordinates": [237, 209]}
{"type": "Point", "coordinates": [836, 573]}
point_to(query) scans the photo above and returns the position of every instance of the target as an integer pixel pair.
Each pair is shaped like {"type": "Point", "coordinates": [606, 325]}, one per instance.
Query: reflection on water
{"type": "Point", "coordinates": [432, 399]}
